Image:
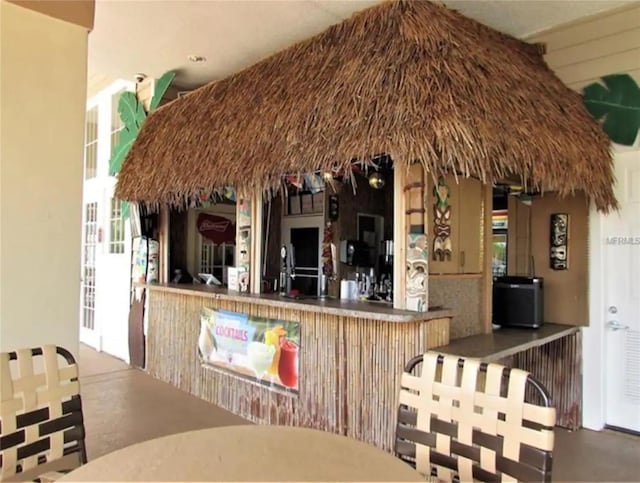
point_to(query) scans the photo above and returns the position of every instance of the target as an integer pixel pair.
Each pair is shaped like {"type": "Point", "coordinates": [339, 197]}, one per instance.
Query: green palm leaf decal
{"type": "Point", "coordinates": [618, 102]}
{"type": "Point", "coordinates": [161, 86]}
{"type": "Point", "coordinates": [126, 209]}
{"type": "Point", "coordinates": [131, 111]}
{"type": "Point", "coordinates": [120, 152]}
{"type": "Point", "coordinates": [133, 117]}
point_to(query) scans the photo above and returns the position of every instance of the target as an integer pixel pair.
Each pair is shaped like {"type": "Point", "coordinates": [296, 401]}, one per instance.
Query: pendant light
{"type": "Point", "coordinates": [376, 181]}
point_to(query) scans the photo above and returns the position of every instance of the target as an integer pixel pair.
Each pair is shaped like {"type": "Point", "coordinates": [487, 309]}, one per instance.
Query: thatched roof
{"type": "Point", "coordinates": [411, 79]}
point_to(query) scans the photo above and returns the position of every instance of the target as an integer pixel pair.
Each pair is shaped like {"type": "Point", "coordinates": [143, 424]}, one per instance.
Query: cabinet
{"type": "Point", "coordinates": [466, 202]}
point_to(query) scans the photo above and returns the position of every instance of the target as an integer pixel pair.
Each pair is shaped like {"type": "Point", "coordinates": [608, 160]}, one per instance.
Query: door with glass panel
{"type": "Point", "coordinates": [89, 330]}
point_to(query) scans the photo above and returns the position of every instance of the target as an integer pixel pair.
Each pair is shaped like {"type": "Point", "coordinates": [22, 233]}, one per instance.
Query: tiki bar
{"type": "Point", "coordinates": [408, 179]}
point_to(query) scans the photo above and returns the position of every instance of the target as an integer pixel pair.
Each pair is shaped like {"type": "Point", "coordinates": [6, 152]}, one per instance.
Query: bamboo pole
{"type": "Point", "coordinates": [487, 259]}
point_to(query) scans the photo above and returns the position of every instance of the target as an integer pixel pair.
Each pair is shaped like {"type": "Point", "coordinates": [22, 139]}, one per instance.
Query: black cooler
{"type": "Point", "coordinates": [518, 301]}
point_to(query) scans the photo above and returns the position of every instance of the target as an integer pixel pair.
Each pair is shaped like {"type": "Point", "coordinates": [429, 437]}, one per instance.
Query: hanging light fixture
{"type": "Point", "coordinates": [376, 181]}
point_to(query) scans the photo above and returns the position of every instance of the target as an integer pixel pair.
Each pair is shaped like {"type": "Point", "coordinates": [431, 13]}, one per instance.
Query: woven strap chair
{"type": "Point", "coordinates": [462, 420]}
{"type": "Point", "coordinates": [41, 422]}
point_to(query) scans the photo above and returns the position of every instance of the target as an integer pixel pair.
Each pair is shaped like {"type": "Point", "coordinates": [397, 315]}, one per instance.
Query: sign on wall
{"type": "Point", "coordinates": [260, 349]}
{"type": "Point", "coordinates": [216, 228]}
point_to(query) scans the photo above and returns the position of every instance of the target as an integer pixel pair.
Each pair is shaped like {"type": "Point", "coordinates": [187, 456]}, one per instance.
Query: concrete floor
{"type": "Point", "coordinates": [123, 406]}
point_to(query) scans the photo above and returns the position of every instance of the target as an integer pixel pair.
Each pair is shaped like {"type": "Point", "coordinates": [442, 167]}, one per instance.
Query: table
{"type": "Point", "coordinates": [247, 453]}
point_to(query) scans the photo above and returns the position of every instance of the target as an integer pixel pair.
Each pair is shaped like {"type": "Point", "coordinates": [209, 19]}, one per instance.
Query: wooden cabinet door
{"type": "Point", "coordinates": [469, 218]}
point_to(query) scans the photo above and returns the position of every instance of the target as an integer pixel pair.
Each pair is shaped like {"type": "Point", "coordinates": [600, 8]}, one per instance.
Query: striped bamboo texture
{"type": "Point", "coordinates": [350, 368]}
{"type": "Point", "coordinates": [557, 365]}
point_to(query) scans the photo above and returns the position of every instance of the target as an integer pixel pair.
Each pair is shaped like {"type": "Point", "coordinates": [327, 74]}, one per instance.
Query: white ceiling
{"type": "Point", "coordinates": [155, 36]}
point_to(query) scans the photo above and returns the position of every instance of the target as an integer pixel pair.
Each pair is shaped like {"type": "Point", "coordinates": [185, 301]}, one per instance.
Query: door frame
{"type": "Point", "coordinates": [304, 221]}
{"type": "Point", "coordinates": [593, 337]}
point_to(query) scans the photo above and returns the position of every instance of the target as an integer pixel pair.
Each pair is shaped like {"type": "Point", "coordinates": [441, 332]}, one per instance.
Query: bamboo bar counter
{"type": "Point", "coordinates": [552, 353]}
{"type": "Point", "coordinates": [351, 358]}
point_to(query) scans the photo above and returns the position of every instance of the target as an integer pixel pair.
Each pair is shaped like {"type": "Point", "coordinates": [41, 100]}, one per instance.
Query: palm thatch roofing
{"type": "Point", "coordinates": [411, 79]}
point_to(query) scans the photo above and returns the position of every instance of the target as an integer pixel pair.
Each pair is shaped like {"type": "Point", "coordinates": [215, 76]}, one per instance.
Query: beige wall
{"type": "Point", "coordinates": [579, 53]}
{"type": "Point", "coordinates": [42, 107]}
{"type": "Point", "coordinates": [79, 12]}
{"type": "Point", "coordinates": [584, 51]}
{"type": "Point", "coordinates": [565, 291]}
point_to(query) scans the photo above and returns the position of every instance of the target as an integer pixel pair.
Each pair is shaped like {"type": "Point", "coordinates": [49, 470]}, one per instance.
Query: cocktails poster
{"type": "Point", "coordinates": [265, 350]}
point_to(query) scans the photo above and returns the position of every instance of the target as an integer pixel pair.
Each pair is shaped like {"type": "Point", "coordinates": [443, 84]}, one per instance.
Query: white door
{"type": "Point", "coordinates": [622, 297]}
{"type": "Point", "coordinates": [305, 234]}
{"type": "Point", "coordinates": [113, 284]}
{"type": "Point", "coordinates": [89, 328]}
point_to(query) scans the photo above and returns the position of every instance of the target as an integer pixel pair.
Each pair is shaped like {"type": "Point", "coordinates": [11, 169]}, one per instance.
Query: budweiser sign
{"type": "Point", "coordinates": [216, 228]}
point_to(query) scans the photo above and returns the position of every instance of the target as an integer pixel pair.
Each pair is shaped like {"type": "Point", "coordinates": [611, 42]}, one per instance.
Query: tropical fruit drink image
{"type": "Point", "coordinates": [288, 363]}
{"type": "Point", "coordinates": [260, 357]}
{"type": "Point", "coordinates": [273, 337]}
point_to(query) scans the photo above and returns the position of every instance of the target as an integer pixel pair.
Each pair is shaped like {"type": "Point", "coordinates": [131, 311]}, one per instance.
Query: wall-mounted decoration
{"type": "Point", "coordinates": [133, 116]}
{"type": "Point", "coordinates": [417, 270]}
{"type": "Point", "coordinates": [559, 241]}
{"type": "Point", "coordinates": [327, 252]}
{"type": "Point", "coordinates": [442, 222]}
{"type": "Point", "coordinates": [618, 102]}
{"type": "Point", "coordinates": [244, 244]}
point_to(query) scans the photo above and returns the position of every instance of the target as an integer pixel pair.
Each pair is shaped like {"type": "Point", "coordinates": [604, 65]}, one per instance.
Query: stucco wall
{"type": "Point", "coordinates": [43, 76]}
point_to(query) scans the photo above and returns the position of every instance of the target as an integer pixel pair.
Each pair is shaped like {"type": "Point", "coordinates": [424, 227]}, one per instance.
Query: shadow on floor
{"type": "Point", "coordinates": [124, 406]}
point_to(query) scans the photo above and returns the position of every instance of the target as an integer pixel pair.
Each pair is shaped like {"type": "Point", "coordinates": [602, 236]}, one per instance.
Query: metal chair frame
{"type": "Point", "coordinates": [70, 423]}
{"type": "Point", "coordinates": [534, 463]}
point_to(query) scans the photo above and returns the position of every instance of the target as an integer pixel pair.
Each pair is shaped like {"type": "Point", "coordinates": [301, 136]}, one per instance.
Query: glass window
{"type": "Point", "coordinates": [116, 122]}
{"type": "Point", "coordinates": [116, 238]}
{"type": "Point", "coordinates": [91, 144]}
{"type": "Point", "coordinates": [215, 258]}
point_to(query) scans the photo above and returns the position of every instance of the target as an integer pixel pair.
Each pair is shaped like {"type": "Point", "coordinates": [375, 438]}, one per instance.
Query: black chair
{"type": "Point", "coordinates": [462, 420]}
{"type": "Point", "coordinates": [41, 422]}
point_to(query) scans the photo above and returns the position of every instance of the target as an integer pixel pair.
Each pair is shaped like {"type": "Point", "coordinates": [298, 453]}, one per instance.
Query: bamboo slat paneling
{"type": "Point", "coordinates": [557, 365]}
{"type": "Point", "coordinates": [349, 367]}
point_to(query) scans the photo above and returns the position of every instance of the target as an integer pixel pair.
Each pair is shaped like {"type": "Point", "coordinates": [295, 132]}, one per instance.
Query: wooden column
{"type": "Point", "coordinates": [399, 240]}
{"type": "Point", "coordinates": [256, 245]}
{"type": "Point", "coordinates": [417, 255]}
{"type": "Point", "coordinates": [163, 242]}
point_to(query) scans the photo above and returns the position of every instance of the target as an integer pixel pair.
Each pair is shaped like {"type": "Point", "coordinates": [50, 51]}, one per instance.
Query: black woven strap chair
{"type": "Point", "coordinates": [41, 422]}
{"type": "Point", "coordinates": [462, 420]}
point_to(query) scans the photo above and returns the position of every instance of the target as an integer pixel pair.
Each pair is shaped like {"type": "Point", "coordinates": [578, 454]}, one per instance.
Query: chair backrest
{"type": "Point", "coordinates": [465, 420]}
{"type": "Point", "coordinates": [41, 422]}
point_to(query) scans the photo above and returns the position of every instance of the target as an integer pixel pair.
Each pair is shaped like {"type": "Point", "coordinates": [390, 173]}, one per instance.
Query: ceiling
{"type": "Point", "coordinates": [152, 37]}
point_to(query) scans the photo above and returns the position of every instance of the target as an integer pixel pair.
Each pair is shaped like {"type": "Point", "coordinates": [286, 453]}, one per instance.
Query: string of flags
{"type": "Point", "coordinates": [315, 182]}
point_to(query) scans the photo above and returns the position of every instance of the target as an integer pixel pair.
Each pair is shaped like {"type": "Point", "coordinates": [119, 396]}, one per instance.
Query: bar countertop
{"type": "Point", "coordinates": [505, 342]}
{"type": "Point", "coordinates": [364, 310]}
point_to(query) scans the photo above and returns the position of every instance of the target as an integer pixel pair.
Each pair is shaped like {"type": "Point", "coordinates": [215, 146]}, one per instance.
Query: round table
{"type": "Point", "coordinates": [247, 453]}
